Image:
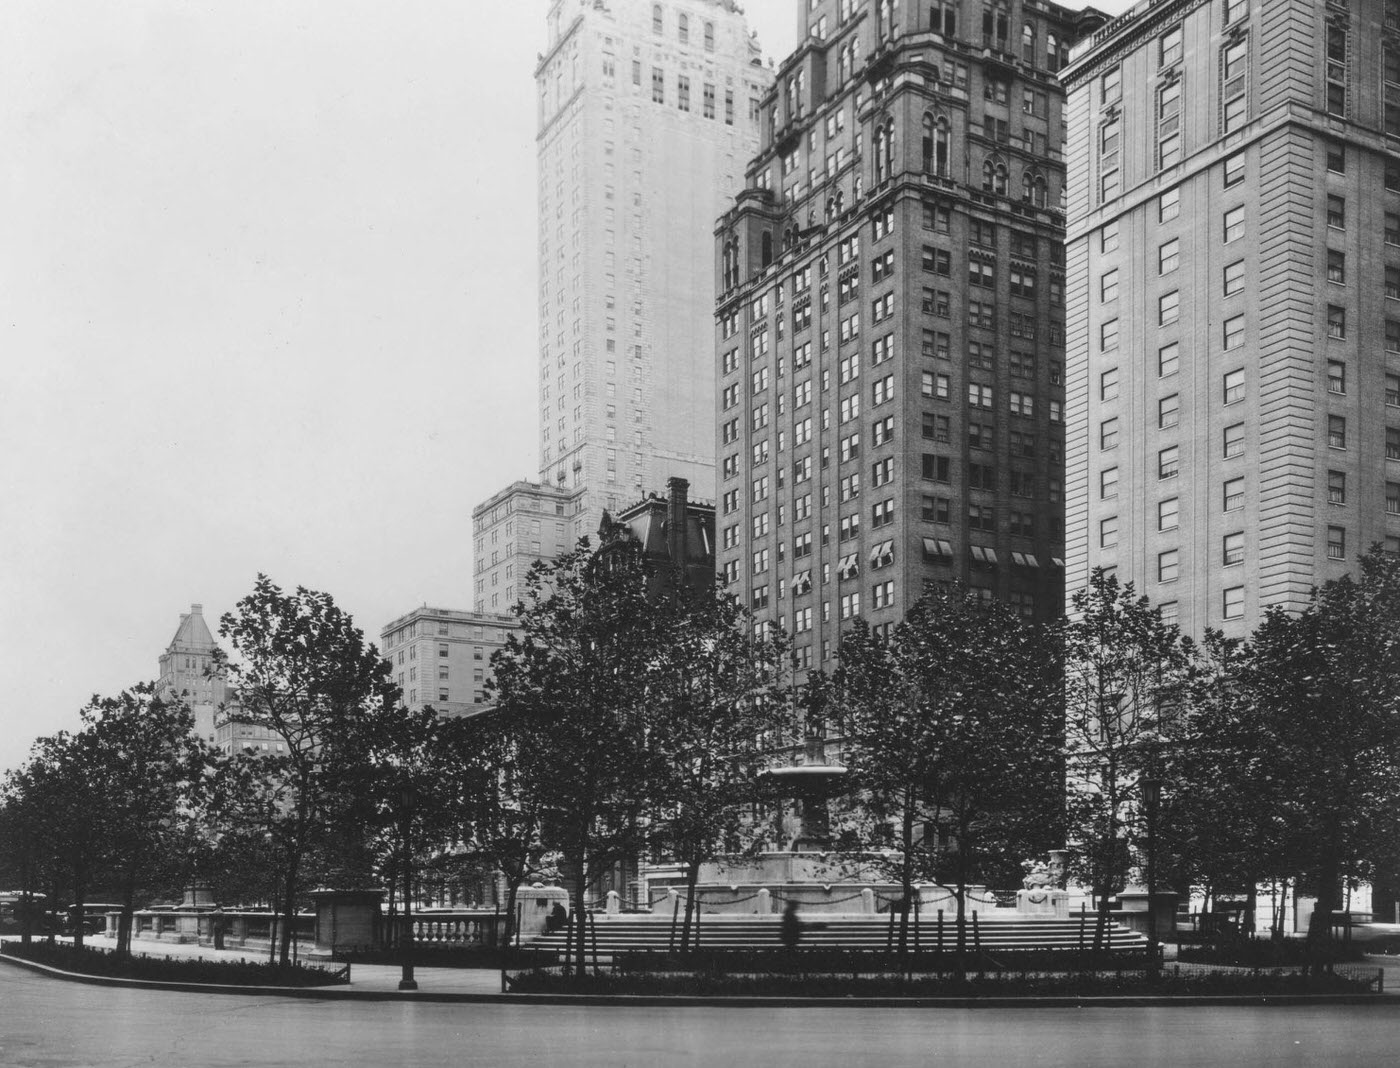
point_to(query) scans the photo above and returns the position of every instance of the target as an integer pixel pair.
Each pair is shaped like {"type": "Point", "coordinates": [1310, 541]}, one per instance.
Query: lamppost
{"type": "Point", "coordinates": [407, 982]}
{"type": "Point", "coordinates": [1151, 795]}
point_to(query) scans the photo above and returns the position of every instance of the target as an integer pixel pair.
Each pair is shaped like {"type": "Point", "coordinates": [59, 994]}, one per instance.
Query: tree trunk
{"type": "Point", "coordinates": [580, 923]}
{"type": "Point", "coordinates": [503, 948]}
{"type": "Point", "coordinates": [76, 909]}
{"type": "Point", "coordinates": [1320, 923]}
{"type": "Point", "coordinates": [960, 894]}
{"type": "Point", "coordinates": [289, 913]}
{"type": "Point", "coordinates": [124, 922]}
{"type": "Point", "coordinates": [906, 873]}
{"type": "Point", "coordinates": [692, 879]}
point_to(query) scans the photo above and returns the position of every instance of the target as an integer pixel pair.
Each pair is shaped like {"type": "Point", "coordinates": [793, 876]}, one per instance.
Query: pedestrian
{"type": "Point", "coordinates": [791, 930]}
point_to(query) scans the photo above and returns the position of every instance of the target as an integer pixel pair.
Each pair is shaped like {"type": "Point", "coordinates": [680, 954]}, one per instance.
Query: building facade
{"type": "Point", "coordinates": [184, 668]}
{"type": "Point", "coordinates": [890, 319]}
{"type": "Point", "coordinates": [1233, 361]}
{"type": "Point", "coordinates": [442, 657]}
{"type": "Point", "coordinates": [522, 523]}
{"type": "Point", "coordinates": [647, 117]}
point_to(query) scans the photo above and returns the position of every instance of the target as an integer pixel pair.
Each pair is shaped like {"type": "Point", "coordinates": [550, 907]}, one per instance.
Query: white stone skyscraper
{"type": "Point", "coordinates": [647, 119]}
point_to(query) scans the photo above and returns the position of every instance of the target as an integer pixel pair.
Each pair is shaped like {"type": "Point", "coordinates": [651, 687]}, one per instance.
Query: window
{"type": "Point", "coordinates": [1168, 308]}
{"type": "Point", "coordinates": [1108, 483]}
{"type": "Point", "coordinates": [1336, 267]}
{"type": "Point", "coordinates": [1234, 170]}
{"type": "Point", "coordinates": [882, 471]}
{"type": "Point", "coordinates": [1232, 602]}
{"type": "Point", "coordinates": [1392, 335]}
{"type": "Point", "coordinates": [1336, 543]}
{"type": "Point", "coordinates": [1111, 85]}
{"type": "Point", "coordinates": [1168, 513]}
{"type": "Point", "coordinates": [1234, 278]}
{"type": "Point", "coordinates": [1234, 494]}
{"type": "Point", "coordinates": [658, 85]}
{"type": "Point", "coordinates": [1168, 357]}
{"type": "Point", "coordinates": [935, 468]}
{"type": "Point", "coordinates": [1168, 411]}
{"type": "Point", "coordinates": [1169, 46]}
{"type": "Point", "coordinates": [1336, 157]}
{"type": "Point", "coordinates": [979, 395]}
{"type": "Point", "coordinates": [1336, 212]}
{"type": "Point", "coordinates": [1108, 286]}
{"type": "Point", "coordinates": [1392, 498]}
{"type": "Point", "coordinates": [1168, 255]}
{"type": "Point", "coordinates": [1392, 390]}
{"type": "Point", "coordinates": [1336, 376]}
{"type": "Point", "coordinates": [1392, 228]}
{"type": "Point", "coordinates": [1392, 443]}
{"type": "Point", "coordinates": [1108, 385]}
{"type": "Point", "coordinates": [1168, 565]}
{"type": "Point", "coordinates": [1232, 549]}
{"type": "Point", "coordinates": [1336, 487]}
{"type": "Point", "coordinates": [1336, 432]}
{"type": "Point", "coordinates": [1108, 335]}
{"type": "Point", "coordinates": [1336, 322]}
{"type": "Point", "coordinates": [882, 513]}
{"type": "Point", "coordinates": [1169, 462]}
{"type": "Point", "coordinates": [1108, 532]}
{"type": "Point", "coordinates": [1169, 205]}
{"type": "Point", "coordinates": [1234, 223]}
{"type": "Point", "coordinates": [937, 260]}
{"type": "Point", "coordinates": [1233, 385]}
{"type": "Point", "coordinates": [1108, 238]}
{"type": "Point", "coordinates": [1234, 440]}
{"type": "Point", "coordinates": [1108, 434]}
{"type": "Point", "coordinates": [1392, 283]}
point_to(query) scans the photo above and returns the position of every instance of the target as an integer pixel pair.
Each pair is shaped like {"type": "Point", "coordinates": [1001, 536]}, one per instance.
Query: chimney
{"type": "Point", "coordinates": [196, 609]}
{"type": "Point", "coordinates": [676, 520]}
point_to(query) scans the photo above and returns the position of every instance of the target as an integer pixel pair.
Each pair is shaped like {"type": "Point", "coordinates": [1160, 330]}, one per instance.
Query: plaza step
{"type": "Point", "coordinates": [613, 934]}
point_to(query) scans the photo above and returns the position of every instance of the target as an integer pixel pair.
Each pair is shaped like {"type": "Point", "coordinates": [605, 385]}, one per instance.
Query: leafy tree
{"type": "Point", "coordinates": [571, 685]}
{"type": "Point", "coordinates": [28, 826]}
{"type": "Point", "coordinates": [1126, 672]}
{"type": "Point", "coordinates": [301, 669]}
{"type": "Point", "coordinates": [1323, 692]}
{"type": "Point", "coordinates": [717, 710]}
{"type": "Point", "coordinates": [150, 771]}
{"type": "Point", "coordinates": [953, 721]}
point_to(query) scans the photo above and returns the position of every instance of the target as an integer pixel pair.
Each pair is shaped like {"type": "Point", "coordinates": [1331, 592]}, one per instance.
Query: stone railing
{"type": "Point", "coordinates": [240, 927]}
{"type": "Point", "coordinates": [449, 928]}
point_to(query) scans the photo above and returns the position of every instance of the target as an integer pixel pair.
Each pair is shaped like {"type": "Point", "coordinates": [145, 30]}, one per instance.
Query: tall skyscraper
{"type": "Point", "coordinates": [647, 116]}
{"type": "Point", "coordinates": [1233, 371]}
{"type": "Point", "coordinates": [890, 321]}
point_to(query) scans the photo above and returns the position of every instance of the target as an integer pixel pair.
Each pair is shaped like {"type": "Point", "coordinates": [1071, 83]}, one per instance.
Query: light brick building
{"type": "Point", "coordinates": [890, 321]}
{"type": "Point", "coordinates": [522, 523]}
{"type": "Point", "coordinates": [1233, 360]}
{"type": "Point", "coordinates": [442, 657]}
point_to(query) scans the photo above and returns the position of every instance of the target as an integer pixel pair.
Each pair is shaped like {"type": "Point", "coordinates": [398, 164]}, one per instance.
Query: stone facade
{"type": "Point", "coordinates": [1233, 365]}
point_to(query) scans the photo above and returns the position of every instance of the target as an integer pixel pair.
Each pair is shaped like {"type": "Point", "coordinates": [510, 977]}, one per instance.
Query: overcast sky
{"type": "Point", "coordinates": [268, 283]}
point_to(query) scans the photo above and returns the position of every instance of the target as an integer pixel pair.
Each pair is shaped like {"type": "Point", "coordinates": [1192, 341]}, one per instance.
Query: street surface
{"type": "Point", "coordinates": [48, 1023]}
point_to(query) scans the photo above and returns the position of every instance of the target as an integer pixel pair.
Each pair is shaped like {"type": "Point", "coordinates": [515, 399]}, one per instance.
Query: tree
{"type": "Point", "coordinates": [717, 709]}
{"type": "Point", "coordinates": [149, 769]}
{"type": "Point", "coordinates": [571, 687]}
{"type": "Point", "coordinates": [302, 670]}
{"type": "Point", "coordinates": [1126, 671]}
{"type": "Point", "coordinates": [1323, 692]}
{"type": "Point", "coordinates": [952, 722]}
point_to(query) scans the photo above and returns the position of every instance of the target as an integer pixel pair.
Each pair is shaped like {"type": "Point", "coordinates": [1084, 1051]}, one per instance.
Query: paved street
{"type": "Point", "coordinates": [47, 1023]}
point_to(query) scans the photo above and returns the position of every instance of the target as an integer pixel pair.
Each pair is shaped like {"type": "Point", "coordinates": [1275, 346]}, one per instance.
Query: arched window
{"type": "Point", "coordinates": [656, 26]}
{"type": "Point", "coordinates": [839, 199]}
{"type": "Point", "coordinates": [767, 247]}
{"type": "Point", "coordinates": [683, 28]}
{"type": "Point", "coordinates": [726, 267]}
{"type": "Point", "coordinates": [926, 145]}
{"type": "Point", "coordinates": [1033, 188]}
{"type": "Point", "coordinates": [886, 18]}
{"type": "Point", "coordinates": [994, 177]}
{"type": "Point", "coordinates": [1052, 52]}
{"type": "Point", "coordinates": [709, 37]}
{"type": "Point", "coordinates": [1028, 42]}
{"type": "Point", "coordinates": [884, 150]}
{"type": "Point", "coordinates": [941, 149]}
{"type": "Point", "coordinates": [848, 54]}
{"type": "Point", "coordinates": [830, 209]}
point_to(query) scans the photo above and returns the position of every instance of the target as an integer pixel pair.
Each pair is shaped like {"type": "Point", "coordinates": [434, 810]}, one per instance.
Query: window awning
{"type": "Point", "coordinates": [1025, 559]}
{"type": "Point", "coordinates": [1055, 561]}
{"type": "Point", "coordinates": [883, 549]}
{"type": "Point", "coordinates": [983, 555]}
{"type": "Point", "coordinates": [937, 547]}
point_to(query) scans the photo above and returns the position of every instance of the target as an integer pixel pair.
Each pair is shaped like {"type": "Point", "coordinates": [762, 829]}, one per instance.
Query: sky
{"type": "Point", "coordinates": [267, 304]}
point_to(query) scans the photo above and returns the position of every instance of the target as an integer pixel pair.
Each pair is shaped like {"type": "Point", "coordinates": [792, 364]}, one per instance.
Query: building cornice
{"type": "Point", "coordinates": [1123, 34]}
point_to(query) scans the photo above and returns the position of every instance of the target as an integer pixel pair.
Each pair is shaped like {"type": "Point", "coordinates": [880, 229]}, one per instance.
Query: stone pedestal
{"type": "Point", "coordinates": [1158, 920]}
{"type": "Point", "coordinates": [533, 906]}
{"type": "Point", "coordinates": [348, 920]}
{"type": "Point", "coordinates": [1043, 901]}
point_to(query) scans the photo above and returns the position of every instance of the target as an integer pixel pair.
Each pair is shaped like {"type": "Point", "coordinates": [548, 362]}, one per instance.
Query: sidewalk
{"type": "Point", "coordinates": [364, 978]}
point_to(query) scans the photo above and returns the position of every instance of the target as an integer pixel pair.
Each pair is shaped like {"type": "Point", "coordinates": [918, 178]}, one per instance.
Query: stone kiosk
{"type": "Point", "coordinates": [348, 921]}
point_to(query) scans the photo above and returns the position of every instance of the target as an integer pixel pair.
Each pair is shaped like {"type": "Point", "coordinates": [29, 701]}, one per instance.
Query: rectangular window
{"type": "Point", "coordinates": [1108, 385]}
{"type": "Point", "coordinates": [1336, 376]}
{"type": "Point", "coordinates": [1234, 168]}
{"type": "Point", "coordinates": [1234, 278]}
{"type": "Point", "coordinates": [1169, 462]}
{"type": "Point", "coordinates": [1234, 331]}
{"type": "Point", "coordinates": [1168, 255]}
{"type": "Point", "coordinates": [1233, 385]}
{"type": "Point", "coordinates": [1108, 335]}
{"type": "Point", "coordinates": [1234, 440]}
{"type": "Point", "coordinates": [1108, 532]}
{"type": "Point", "coordinates": [1336, 267]}
{"type": "Point", "coordinates": [1233, 222]}
{"type": "Point", "coordinates": [1232, 549]}
{"type": "Point", "coordinates": [1168, 565]}
{"type": "Point", "coordinates": [1336, 212]}
{"type": "Point", "coordinates": [1392, 498]}
{"type": "Point", "coordinates": [1168, 411]}
{"type": "Point", "coordinates": [1232, 602]}
{"type": "Point", "coordinates": [1392, 391]}
{"type": "Point", "coordinates": [1168, 357]}
{"type": "Point", "coordinates": [1108, 286]}
{"type": "Point", "coordinates": [1336, 487]}
{"type": "Point", "coordinates": [1234, 494]}
{"type": "Point", "coordinates": [1336, 543]}
{"type": "Point", "coordinates": [1336, 432]}
{"type": "Point", "coordinates": [1336, 322]}
{"type": "Point", "coordinates": [1168, 308]}
{"type": "Point", "coordinates": [1108, 483]}
{"type": "Point", "coordinates": [1169, 205]}
{"type": "Point", "coordinates": [1392, 443]}
{"type": "Point", "coordinates": [1169, 46]}
{"type": "Point", "coordinates": [1168, 513]}
{"type": "Point", "coordinates": [1108, 434]}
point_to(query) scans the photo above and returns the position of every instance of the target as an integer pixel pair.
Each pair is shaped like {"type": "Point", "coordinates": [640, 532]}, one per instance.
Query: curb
{"type": "Point", "coordinates": [696, 1001]}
